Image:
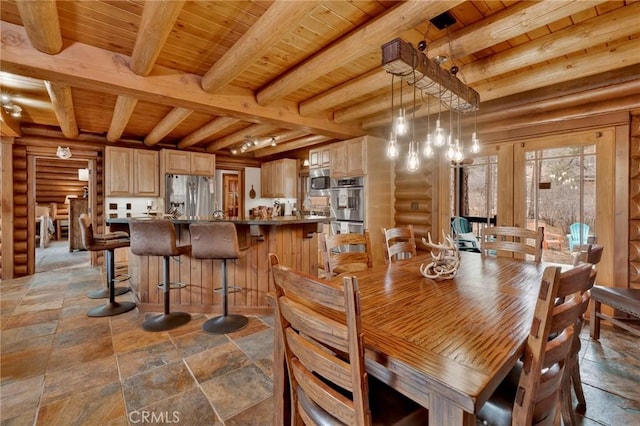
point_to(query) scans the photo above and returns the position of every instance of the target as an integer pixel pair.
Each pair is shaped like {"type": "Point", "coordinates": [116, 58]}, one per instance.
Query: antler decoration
{"type": "Point", "coordinates": [445, 259]}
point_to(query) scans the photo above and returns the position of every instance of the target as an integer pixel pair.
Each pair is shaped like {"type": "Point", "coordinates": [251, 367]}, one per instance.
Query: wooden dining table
{"type": "Point", "coordinates": [445, 344]}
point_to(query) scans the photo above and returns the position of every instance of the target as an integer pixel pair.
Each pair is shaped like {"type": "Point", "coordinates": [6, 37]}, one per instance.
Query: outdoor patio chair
{"type": "Point", "coordinates": [575, 239]}
{"type": "Point", "coordinates": [463, 235]}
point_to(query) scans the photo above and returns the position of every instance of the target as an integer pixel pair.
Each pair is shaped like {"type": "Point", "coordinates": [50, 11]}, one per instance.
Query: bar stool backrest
{"type": "Point", "coordinates": [214, 240]}
{"type": "Point", "coordinates": [86, 231]}
{"type": "Point", "coordinates": [153, 237]}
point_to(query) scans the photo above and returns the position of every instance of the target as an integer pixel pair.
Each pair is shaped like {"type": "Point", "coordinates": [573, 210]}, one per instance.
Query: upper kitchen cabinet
{"type": "Point", "coordinates": [320, 158]}
{"type": "Point", "coordinates": [278, 179]}
{"type": "Point", "coordinates": [131, 172]}
{"type": "Point", "coordinates": [187, 163]}
{"type": "Point", "coordinates": [349, 158]}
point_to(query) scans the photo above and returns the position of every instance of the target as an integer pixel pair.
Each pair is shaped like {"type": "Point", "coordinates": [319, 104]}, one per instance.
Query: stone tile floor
{"type": "Point", "coordinates": [60, 367]}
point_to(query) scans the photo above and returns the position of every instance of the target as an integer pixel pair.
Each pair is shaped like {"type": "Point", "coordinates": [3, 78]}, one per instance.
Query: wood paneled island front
{"type": "Point", "coordinates": [293, 239]}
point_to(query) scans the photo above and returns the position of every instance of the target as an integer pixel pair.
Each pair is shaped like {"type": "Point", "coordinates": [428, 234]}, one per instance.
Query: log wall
{"type": "Point", "coordinates": [634, 203]}
{"type": "Point", "coordinates": [414, 203]}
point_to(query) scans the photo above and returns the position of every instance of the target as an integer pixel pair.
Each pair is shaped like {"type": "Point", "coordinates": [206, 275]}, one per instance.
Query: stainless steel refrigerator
{"type": "Point", "coordinates": [190, 195]}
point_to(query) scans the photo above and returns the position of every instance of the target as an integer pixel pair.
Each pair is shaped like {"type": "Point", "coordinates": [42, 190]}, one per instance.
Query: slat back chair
{"type": "Point", "coordinates": [513, 239]}
{"type": "Point", "coordinates": [589, 253]}
{"type": "Point", "coordinates": [323, 345]}
{"type": "Point", "coordinates": [399, 243]}
{"type": "Point", "coordinates": [535, 383]}
{"type": "Point", "coordinates": [346, 253]}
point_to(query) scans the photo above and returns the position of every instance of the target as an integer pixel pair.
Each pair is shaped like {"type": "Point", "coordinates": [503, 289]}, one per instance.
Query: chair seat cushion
{"type": "Point", "coordinates": [498, 410]}
{"type": "Point", "coordinates": [387, 406]}
{"type": "Point", "coordinates": [624, 299]}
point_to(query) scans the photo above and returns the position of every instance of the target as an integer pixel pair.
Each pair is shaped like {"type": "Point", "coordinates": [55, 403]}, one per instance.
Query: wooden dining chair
{"type": "Point", "coordinates": [399, 243]}
{"type": "Point", "coordinates": [572, 368]}
{"type": "Point", "coordinates": [530, 393]}
{"type": "Point", "coordinates": [589, 253]}
{"type": "Point", "coordinates": [512, 239]}
{"type": "Point", "coordinates": [345, 253]}
{"type": "Point", "coordinates": [322, 334]}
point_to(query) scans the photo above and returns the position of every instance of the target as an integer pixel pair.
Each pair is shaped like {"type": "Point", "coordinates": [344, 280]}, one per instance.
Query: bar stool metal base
{"type": "Point", "coordinates": [164, 322]}
{"type": "Point", "coordinates": [104, 293]}
{"type": "Point", "coordinates": [225, 324]}
{"type": "Point", "coordinates": [111, 309]}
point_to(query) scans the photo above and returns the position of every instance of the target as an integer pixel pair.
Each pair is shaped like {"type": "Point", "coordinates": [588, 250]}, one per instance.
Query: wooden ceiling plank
{"type": "Point", "coordinates": [62, 101]}
{"type": "Point", "coordinates": [379, 103]}
{"type": "Point", "coordinates": [298, 143]}
{"type": "Point", "coordinates": [601, 29]}
{"type": "Point", "coordinates": [366, 83]}
{"type": "Point", "coordinates": [281, 17]}
{"type": "Point", "coordinates": [207, 130]}
{"type": "Point", "coordinates": [506, 24]}
{"type": "Point", "coordinates": [158, 19]}
{"type": "Point", "coordinates": [108, 72]}
{"type": "Point", "coordinates": [624, 54]}
{"type": "Point", "coordinates": [40, 19]}
{"type": "Point", "coordinates": [167, 124]}
{"type": "Point", "coordinates": [237, 137]}
{"type": "Point", "coordinates": [121, 115]}
{"type": "Point", "coordinates": [364, 39]}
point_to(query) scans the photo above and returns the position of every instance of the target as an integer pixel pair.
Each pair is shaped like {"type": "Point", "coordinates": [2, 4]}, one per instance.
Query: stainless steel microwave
{"type": "Point", "coordinates": [319, 179]}
{"type": "Point", "coordinates": [320, 182]}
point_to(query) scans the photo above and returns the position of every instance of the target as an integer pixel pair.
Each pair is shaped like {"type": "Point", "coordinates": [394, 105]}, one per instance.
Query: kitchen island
{"type": "Point", "coordinates": [293, 239]}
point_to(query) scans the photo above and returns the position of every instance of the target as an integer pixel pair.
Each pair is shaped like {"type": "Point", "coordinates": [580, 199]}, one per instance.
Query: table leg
{"type": "Point", "coordinates": [445, 413]}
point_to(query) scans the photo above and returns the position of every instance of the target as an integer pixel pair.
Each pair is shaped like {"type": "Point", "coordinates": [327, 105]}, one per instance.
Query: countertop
{"type": "Point", "coordinates": [275, 221]}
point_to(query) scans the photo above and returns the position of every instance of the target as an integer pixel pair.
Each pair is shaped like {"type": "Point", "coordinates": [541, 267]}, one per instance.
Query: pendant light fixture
{"type": "Point", "coordinates": [401, 120]}
{"type": "Point", "coordinates": [413, 160]}
{"type": "Point", "coordinates": [392, 144]}
{"type": "Point", "coordinates": [427, 151]}
{"type": "Point", "coordinates": [475, 143]}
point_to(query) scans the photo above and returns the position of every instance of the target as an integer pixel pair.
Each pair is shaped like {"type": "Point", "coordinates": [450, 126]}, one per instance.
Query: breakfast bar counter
{"type": "Point", "coordinates": [293, 239]}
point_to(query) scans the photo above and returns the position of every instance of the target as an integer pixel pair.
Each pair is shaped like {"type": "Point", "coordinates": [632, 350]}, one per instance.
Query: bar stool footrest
{"type": "Point", "coordinates": [225, 324]}
{"type": "Point", "coordinates": [111, 309]}
{"type": "Point", "coordinates": [164, 322]}
{"type": "Point", "coordinates": [104, 293]}
{"type": "Point", "coordinates": [121, 278]}
{"type": "Point", "coordinates": [173, 286]}
{"type": "Point", "coordinates": [230, 289]}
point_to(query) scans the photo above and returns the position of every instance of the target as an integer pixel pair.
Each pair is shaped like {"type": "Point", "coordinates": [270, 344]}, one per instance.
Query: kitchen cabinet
{"type": "Point", "coordinates": [187, 163]}
{"type": "Point", "coordinates": [131, 172]}
{"type": "Point", "coordinates": [320, 158]}
{"type": "Point", "coordinates": [278, 178]}
{"type": "Point", "coordinates": [349, 158]}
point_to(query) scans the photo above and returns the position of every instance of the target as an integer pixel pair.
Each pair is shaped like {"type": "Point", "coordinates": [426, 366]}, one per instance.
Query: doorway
{"type": "Point", "coordinates": [230, 194]}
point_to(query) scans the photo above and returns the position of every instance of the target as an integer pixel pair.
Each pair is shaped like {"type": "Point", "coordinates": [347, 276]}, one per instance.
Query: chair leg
{"type": "Point", "coordinates": [168, 320]}
{"type": "Point", "coordinates": [104, 292]}
{"type": "Point", "coordinates": [565, 398]}
{"type": "Point", "coordinates": [577, 387]}
{"type": "Point", "coordinates": [113, 307]}
{"type": "Point", "coordinates": [225, 323]}
{"type": "Point", "coordinates": [594, 319]}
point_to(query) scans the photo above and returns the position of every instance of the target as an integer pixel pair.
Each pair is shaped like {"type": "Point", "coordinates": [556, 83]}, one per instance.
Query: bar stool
{"type": "Point", "coordinates": [218, 240]}
{"type": "Point", "coordinates": [117, 278]}
{"type": "Point", "coordinates": [107, 244]}
{"type": "Point", "coordinates": [157, 237]}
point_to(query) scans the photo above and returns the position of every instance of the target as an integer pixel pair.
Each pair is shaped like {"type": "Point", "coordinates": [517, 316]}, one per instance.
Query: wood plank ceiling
{"type": "Point", "coordinates": [205, 75]}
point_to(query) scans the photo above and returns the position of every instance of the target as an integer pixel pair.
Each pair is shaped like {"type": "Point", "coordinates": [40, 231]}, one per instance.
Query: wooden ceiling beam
{"type": "Point", "coordinates": [281, 137]}
{"type": "Point", "coordinates": [108, 72]}
{"type": "Point", "coordinates": [62, 101]}
{"type": "Point", "coordinates": [158, 19]}
{"type": "Point", "coordinates": [207, 130]}
{"type": "Point", "coordinates": [121, 116]}
{"type": "Point", "coordinates": [166, 125]}
{"type": "Point", "coordinates": [237, 137]}
{"type": "Point", "coordinates": [10, 126]}
{"type": "Point", "coordinates": [362, 85]}
{"type": "Point", "coordinates": [280, 19]}
{"type": "Point", "coordinates": [40, 20]}
{"type": "Point", "coordinates": [615, 25]}
{"type": "Point", "coordinates": [508, 23]}
{"type": "Point", "coordinates": [298, 143]}
{"type": "Point", "coordinates": [365, 38]}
